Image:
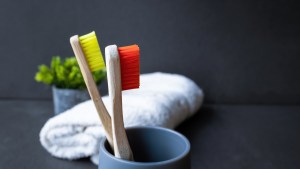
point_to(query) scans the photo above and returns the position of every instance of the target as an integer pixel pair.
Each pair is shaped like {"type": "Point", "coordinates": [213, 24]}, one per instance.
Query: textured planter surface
{"type": "Point", "coordinates": [65, 99]}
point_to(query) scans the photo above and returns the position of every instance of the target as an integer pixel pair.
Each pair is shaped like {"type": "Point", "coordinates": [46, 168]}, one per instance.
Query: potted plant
{"type": "Point", "coordinates": [68, 87]}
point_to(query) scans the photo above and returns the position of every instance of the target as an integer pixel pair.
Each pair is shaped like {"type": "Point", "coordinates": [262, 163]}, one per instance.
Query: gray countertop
{"type": "Point", "coordinates": [221, 136]}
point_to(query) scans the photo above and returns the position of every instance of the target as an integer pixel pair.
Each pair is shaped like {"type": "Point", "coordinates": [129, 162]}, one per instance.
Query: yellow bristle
{"type": "Point", "coordinates": [92, 52]}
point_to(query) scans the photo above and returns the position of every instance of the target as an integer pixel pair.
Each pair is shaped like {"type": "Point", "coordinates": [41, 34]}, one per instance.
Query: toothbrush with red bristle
{"type": "Point", "coordinates": [123, 73]}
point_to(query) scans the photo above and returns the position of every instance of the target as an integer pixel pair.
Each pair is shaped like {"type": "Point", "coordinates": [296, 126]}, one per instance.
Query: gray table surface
{"type": "Point", "coordinates": [221, 136]}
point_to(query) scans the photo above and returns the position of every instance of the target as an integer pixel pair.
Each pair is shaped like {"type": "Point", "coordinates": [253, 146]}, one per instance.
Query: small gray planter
{"type": "Point", "coordinates": [65, 99]}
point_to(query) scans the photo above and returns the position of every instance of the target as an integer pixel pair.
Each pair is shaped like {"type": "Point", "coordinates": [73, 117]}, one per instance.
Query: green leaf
{"type": "Point", "coordinates": [55, 62]}
{"type": "Point", "coordinates": [65, 74]}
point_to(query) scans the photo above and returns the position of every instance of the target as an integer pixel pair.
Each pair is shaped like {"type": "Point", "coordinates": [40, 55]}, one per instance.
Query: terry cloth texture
{"type": "Point", "coordinates": [163, 100]}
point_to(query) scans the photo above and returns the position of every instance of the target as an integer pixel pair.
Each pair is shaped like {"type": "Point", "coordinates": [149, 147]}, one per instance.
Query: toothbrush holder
{"type": "Point", "coordinates": [152, 147]}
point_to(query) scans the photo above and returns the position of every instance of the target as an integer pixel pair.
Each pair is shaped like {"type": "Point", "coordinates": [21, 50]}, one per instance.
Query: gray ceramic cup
{"type": "Point", "coordinates": [152, 147]}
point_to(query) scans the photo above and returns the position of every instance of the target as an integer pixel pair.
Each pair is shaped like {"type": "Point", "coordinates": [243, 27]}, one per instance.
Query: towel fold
{"type": "Point", "coordinates": [163, 100]}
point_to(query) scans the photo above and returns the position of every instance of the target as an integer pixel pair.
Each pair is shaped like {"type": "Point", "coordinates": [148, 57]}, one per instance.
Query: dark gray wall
{"type": "Point", "coordinates": [237, 51]}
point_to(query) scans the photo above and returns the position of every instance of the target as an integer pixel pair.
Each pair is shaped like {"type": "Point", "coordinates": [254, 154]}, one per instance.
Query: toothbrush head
{"type": "Point", "coordinates": [130, 66]}
{"type": "Point", "coordinates": [92, 52]}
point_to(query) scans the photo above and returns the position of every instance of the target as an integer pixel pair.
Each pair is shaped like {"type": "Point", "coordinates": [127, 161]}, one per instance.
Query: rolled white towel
{"type": "Point", "coordinates": [163, 100]}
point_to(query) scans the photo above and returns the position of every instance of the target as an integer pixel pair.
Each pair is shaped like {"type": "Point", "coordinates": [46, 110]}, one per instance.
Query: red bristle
{"type": "Point", "coordinates": [130, 66]}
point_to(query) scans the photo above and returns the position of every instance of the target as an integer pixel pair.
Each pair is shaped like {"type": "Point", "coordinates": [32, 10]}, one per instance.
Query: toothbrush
{"type": "Point", "coordinates": [122, 74]}
{"type": "Point", "coordinates": [89, 58]}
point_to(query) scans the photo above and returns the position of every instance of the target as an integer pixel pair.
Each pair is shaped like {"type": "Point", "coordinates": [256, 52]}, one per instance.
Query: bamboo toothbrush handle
{"type": "Point", "coordinates": [92, 88]}
{"type": "Point", "coordinates": [121, 145]}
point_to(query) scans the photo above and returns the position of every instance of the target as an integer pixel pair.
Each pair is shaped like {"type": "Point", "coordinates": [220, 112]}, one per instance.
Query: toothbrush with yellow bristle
{"type": "Point", "coordinates": [123, 73]}
{"type": "Point", "coordinates": [89, 58]}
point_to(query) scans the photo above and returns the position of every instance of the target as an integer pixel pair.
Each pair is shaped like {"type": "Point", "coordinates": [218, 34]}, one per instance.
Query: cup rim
{"type": "Point", "coordinates": [177, 158]}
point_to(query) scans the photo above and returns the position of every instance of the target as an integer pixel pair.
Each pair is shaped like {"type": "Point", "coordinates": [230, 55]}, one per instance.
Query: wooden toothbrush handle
{"type": "Point", "coordinates": [121, 145]}
{"type": "Point", "coordinates": [92, 88]}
